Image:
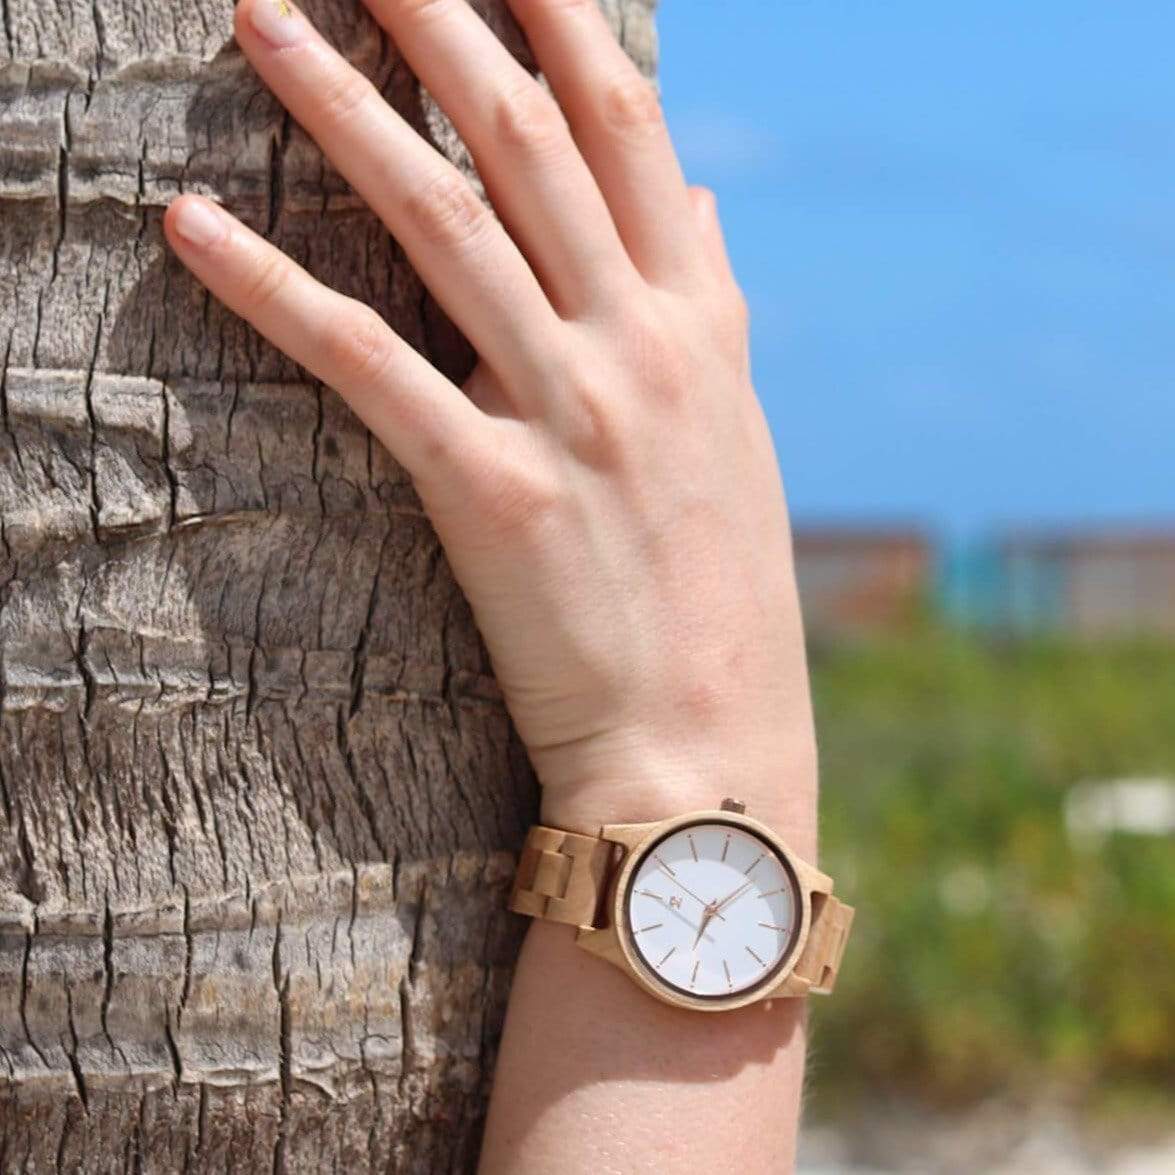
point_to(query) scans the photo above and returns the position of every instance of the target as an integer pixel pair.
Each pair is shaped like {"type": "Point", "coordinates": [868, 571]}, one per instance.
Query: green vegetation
{"type": "Point", "coordinates": [991, 952]}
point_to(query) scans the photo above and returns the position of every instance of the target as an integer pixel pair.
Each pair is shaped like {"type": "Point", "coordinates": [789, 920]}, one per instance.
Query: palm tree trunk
{"type": "Point", "coordinates": [259, 796]}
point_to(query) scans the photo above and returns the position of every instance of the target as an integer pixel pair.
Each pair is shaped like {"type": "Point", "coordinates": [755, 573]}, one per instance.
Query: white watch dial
{"type": "Point", "coordinates": [712, 909]}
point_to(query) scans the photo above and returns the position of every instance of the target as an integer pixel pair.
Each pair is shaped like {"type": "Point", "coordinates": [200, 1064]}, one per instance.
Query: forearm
{"type": "Point", "coordinates": [595, 1075]}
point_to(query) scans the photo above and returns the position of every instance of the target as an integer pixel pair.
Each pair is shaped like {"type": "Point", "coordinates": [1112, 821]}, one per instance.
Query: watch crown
{"type": "Point", "coordinates": [729, 805]}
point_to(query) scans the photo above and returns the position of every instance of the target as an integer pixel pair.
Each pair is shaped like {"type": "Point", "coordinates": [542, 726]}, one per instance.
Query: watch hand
{"type": "Point", "coordinates": [702, 929]}
{"type": "Point", "coordinates": [712, 911]}
{"type": "Point", "coordinates": [730, 897]}
{"type": "Point", "coordinates": [668, 873]}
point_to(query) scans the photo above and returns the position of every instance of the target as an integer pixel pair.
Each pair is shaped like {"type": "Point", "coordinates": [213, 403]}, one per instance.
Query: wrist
{"type": "Point", "coordinates": [638, 775]}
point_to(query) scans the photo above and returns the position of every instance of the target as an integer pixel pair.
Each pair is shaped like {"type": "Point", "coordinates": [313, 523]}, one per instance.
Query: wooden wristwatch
{"type": "Point", "coordinates": [710, 910]}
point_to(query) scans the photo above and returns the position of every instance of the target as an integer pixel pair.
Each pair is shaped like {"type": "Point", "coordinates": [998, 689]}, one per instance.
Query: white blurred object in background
{"type": "Point", "coordinates": [1143, 807]}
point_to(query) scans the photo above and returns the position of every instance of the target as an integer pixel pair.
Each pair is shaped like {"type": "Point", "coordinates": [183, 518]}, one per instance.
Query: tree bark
{"type": "Point", "coordinates": [259, 796]}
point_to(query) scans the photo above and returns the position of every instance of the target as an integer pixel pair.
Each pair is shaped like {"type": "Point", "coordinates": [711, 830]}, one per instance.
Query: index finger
{"type": "Point", "coordinates": [426, 422]}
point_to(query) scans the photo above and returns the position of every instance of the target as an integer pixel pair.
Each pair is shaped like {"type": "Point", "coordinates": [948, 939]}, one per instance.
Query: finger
{"type": "Point", "coordinates": [463, 254]}
{"type": "Point", "coordinates": [616, 119]}
{"type": "Point", "coordinates": [705, 209]}
{"type": "Point", "coordinates": [537, 179]}
{"type": "Point", "coordinates": [425, 422]}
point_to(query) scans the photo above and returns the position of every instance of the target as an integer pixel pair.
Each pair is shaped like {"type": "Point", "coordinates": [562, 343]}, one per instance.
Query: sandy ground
{"type": "Point", "coordinates": [994, 1139]}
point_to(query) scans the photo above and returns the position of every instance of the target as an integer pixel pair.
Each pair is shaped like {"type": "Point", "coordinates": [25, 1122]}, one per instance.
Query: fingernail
{"type": "Point", "coordinates": [198, 222]}
{"type": "Point", "coordinates": [278, 22]}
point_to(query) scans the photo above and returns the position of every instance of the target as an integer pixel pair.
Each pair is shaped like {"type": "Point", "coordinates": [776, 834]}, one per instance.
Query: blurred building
{"type": "Point", "coordinates": [858, 580]}
{"type": "Point", "coordinates": [1093, 584]}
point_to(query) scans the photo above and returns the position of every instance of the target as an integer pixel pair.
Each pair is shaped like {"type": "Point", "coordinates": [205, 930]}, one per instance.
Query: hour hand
{"type": "Point", "coordinates": [702, 928]}
{"type": "Point", "coordinates": [709, 913]}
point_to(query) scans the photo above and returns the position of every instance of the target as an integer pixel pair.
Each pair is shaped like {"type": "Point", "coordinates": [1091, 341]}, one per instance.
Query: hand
{"type": "Point", "coordinates": [706, 917]}
{"type": "Point", "coordinates": [605, 485]}
{"type": "Point", "coordinates": [730, 897]}
{"type": "Point", "coordinates": [714, 910]}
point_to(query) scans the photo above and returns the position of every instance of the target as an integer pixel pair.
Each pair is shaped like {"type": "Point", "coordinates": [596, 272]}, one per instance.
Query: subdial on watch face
{"type": "Point", "coordinates": [712, 910]}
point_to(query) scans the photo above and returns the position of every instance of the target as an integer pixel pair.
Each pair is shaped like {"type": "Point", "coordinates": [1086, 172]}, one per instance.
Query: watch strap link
{"type": "Point", "coordinates": [561, 876]}
{"type": "Point", "coordinates": [820, 962]}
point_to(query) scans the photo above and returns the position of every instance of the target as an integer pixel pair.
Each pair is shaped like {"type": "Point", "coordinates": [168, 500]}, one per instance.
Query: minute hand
{"type": "Point", "coordinates": [731, 897]}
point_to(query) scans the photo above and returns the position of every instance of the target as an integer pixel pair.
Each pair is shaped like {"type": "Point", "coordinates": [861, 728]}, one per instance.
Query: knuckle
{"type": "Point", "coordinates": [446, 210]}
{"type": "Point", "coordinates": [529, 118]}
{"type": "Point", "coordinates": [733, 325]}
{"type": "Point", "coordinates": [742, 311]}
{"type": "Point", "coordinates": [419, 7]}
{"type": "Point", "coordinates": [654, 333]}
{"type": "Point", "coordinates": [735, 310]}
{"type": "Point", "coordinates": [576, 8]}
{"type": "Point", "coordinates": [358, 346]}
{"type": "Point", "coordinates": [345, 94]}
{"type": "Point", "coordinates": [703, 198]}
{"type": "Point", "coordinates": [520, 498]}
{"type": "Point", "coordinates": [664, 355]}
{"type": "Point", "coordinates": [265, 284]}
{"type": "Point", "coordinates": [551, 7]}
{"type": "Point", "coordinates": [631, 106]}
{"type": "Point", "coordinates": [595, 433]}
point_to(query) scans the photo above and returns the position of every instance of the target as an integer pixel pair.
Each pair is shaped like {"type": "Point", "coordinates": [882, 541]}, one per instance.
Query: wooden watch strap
{"type": "Point", "coordinates": [820, 962]}
{"type": "Point", "coordinates": [561, 876]}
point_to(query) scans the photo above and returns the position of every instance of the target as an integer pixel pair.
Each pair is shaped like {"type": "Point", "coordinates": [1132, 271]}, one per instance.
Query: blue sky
{"type": "Point", "coordinates": [955, 224]}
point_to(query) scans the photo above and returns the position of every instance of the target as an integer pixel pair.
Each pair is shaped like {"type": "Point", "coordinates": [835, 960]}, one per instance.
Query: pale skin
{"type": "Point", "coordinates": [607, 494]}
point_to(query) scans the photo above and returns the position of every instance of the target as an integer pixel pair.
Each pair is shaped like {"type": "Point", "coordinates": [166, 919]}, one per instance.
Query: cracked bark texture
{"type": "Point", "coordinates": [259, 796]}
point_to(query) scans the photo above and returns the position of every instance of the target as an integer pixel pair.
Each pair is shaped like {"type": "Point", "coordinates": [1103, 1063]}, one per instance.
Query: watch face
{"type": "Point", "coordinates": [713, 910]}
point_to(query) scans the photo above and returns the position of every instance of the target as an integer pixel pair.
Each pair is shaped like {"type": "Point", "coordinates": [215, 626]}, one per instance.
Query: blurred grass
{"type": "Point", "coordinates": [989, 952]}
